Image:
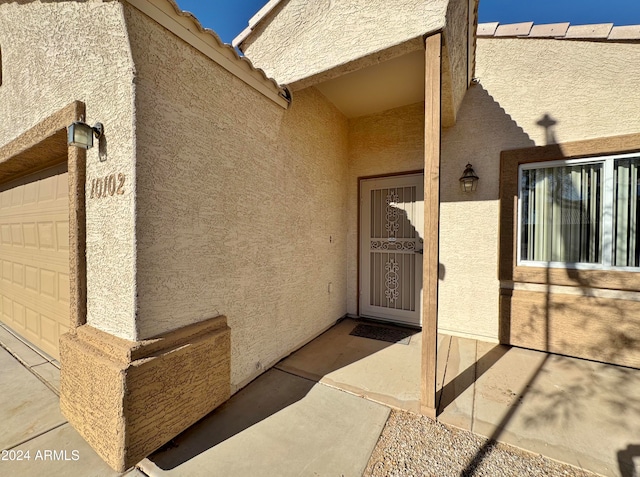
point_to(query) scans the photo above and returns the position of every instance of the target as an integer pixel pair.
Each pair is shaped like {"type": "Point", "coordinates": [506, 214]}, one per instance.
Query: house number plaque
{"type": "Point", "coordinates": [107, 186]}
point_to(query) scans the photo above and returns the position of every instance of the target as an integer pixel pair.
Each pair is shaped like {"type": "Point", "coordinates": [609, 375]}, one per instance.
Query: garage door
{"type": "Point", "coordinates": [34, 255]}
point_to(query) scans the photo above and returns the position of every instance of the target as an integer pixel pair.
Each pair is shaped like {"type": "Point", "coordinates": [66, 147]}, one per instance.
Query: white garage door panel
{"type": "Point", "coordinates": [34, 257]}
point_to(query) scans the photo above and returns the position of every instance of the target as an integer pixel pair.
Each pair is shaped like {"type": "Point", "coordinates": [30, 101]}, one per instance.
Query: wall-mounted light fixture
{"type": "Point", "coordinates": [469, 179]}
{"type": "Point", "coordinates": [80, 134]}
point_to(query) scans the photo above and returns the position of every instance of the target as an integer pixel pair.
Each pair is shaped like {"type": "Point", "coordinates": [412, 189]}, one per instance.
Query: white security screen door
{"type": "Point", "coordinates": [391, 231]}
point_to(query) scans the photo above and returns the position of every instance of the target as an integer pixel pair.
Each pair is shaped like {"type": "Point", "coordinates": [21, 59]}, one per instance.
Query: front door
{"type": "Point", "coordinates": [391, 231]}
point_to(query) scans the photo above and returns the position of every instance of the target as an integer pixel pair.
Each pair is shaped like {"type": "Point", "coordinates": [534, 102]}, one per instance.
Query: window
{"type": "Point", "coordinates": [580, 213]}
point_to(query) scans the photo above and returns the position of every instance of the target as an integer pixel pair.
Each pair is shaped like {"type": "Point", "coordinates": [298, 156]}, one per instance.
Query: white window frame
{"type": "Point", "coordinates": [607, 209]}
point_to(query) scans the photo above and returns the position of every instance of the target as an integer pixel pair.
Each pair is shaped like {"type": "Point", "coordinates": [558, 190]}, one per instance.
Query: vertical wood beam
{"type": "Point", "coordinates": [432, 115]}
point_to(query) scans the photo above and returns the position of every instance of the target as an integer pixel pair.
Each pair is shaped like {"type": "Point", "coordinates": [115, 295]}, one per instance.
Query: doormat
{"type": "Point", "coordinates": [383, 333]}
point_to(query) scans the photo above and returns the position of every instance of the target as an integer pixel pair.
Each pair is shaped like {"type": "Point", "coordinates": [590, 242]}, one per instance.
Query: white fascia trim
{"type": "Point", "coordinates": [234, 66]}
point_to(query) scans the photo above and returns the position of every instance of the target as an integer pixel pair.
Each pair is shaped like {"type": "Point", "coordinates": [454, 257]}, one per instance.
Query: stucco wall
{"type": "Point", "coordinates": [54, 53]}
{"type": "Point", "coordinates": [590, 89]}
{"type": "Point", "coordinates": [240, 204]}
{"type": "Point", "coordinates": [379, 144]}
{"type": "Point", "coordinates": [301, 38]}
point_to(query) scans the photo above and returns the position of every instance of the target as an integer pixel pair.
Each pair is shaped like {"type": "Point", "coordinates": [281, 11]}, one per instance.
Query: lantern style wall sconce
{"type": "Point", "coordinates": [80, 134]}
{"type": "Point", "coordinates": [469, 179]}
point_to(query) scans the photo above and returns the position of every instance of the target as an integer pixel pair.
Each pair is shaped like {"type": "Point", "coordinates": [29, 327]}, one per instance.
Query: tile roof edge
{"type": "Point", "coordinates": [254, 20]}
{"type": "Point", "coordinates": [223, 54]}
{"type": "Point", "coordinates": [561, 30]}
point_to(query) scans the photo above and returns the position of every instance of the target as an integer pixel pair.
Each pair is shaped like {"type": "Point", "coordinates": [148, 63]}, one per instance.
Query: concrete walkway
{"type": "Point", "coordinates": [279, 425]}
{"type": "Point", "coordinates": [36, 436]}
{"type": "Point", "coordinates": [580, 412]}
{"type": "Point", "coordinates": [584, 413]}
{"type": "Point", "coordinates": [307, 416]}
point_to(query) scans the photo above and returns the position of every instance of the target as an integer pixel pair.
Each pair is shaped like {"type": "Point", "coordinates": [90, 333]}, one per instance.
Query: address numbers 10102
{"type": "Point", "coordinates": [108, 186]}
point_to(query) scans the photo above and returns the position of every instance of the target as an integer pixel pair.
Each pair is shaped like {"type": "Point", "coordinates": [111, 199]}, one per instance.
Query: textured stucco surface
{"type": "Point", "coordinates": [301, 38]}
{"type": "Point", "coordinates": [240, 204]}
{"type": "Point", "coordinates": [129, 398]}
{"type": "Point", "coordinates": [588, 88]}
{"type": "Point", "coordinates": [383, 143]}
{"type": "Point", "coordinates": [54, 53]}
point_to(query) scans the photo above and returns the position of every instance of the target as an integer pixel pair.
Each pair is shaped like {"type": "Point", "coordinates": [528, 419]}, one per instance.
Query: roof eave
{"type": "Point", "coordinates": [253, 21]}
{"type": "Point", "coordinates": [188, 28]}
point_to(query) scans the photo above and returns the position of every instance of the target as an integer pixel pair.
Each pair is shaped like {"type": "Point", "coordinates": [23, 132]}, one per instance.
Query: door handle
{"type": "Point", "coordinates": [419, 251]}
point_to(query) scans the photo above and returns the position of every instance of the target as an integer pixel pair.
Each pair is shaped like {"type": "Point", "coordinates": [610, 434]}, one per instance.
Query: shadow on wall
{"type": "Point", "coordinates": [483, 129]}
{"type": "Point", "coordinates": [575, 325]}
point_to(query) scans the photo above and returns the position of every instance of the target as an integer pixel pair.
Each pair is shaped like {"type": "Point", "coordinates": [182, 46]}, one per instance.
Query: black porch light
{"type": "Point", "coordinates": [469, 179]}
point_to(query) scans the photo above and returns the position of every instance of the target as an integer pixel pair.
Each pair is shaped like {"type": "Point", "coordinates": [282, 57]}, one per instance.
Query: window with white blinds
{"type": "Point", "coordinates": [580, 213]}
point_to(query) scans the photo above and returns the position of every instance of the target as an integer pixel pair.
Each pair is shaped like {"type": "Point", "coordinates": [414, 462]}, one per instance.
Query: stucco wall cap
{"type": "Point", "coordinates": [514, 29]}
{"type": "Point", "coordinates": [487, 29]}
{"type": "Point", "coordinates": [560, 31]}
{"type": "Point", "coordinates": [629, 32]}
{"type": "Point", "coordinates": [226, 56]}
{"type": "Point", "coordinates": [600, 31]}
{"type": "Point", "coordinates": [549, 30]}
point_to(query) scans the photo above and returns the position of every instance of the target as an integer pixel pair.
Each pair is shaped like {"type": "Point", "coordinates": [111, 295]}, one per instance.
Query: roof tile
{"type": "Point", "coordinates": [514, 29]}
{"type": "Point", "coordinates": [630, 32]}
{"type": "Point", "coordinates": [600, 30]}
{"type": "Point", "coordinates": [487, 29]}
{"type": "Point", "coordinates": [559, 31]}
{"type": "Point", "coordinates": [550, 30]}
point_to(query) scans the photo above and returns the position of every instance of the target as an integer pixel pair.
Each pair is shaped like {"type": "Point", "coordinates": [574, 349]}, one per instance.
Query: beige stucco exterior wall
{"type": "Point", "coordinates": [240, 204]}
{"type": "Point", "coordinates": [54, 53]}
{"type": "Point", "coordinates": [589, 88]}
{"type": "Point", "coordinates": [301, 38]}
{"type": "Point", "coordinates": [379, 144]}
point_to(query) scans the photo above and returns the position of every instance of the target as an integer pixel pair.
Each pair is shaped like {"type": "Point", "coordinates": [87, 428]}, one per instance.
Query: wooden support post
{"type": "Point", "coordinates": [432, 105]}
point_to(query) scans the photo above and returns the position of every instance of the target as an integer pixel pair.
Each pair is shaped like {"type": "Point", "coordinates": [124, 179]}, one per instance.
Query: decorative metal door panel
{"type": "Point", "coordinates": [391, 231]}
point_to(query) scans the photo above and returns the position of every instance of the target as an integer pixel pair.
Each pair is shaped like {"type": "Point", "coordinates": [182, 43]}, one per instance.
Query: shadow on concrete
{"type": "Point", "coordinates": [626, 463]}
{"type": "Point", "coordinates": [262, 398]}
{"type": "Point", "coordinates": [467, 378]}
{"type": "Point", "coordinates": [542, 326]}
{"type": "Point", "coordinates": [336, 348]}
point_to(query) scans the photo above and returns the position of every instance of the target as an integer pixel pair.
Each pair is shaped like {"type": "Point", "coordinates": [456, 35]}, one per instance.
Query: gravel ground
{"type": "Point", "coordinates": [412, 445]}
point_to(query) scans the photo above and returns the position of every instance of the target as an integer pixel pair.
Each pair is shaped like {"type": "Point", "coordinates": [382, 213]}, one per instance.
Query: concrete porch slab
{"type": "Point", "coordinates": [584, 413]}
{"type": "Point", "coordinates": [279, 424]}
{"type": "Point", "coordinates": [383, 372]}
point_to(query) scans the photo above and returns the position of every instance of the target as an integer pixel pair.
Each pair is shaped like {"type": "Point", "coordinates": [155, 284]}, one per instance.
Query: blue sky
{"type": "Point", "coordinates": [228, 18]}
